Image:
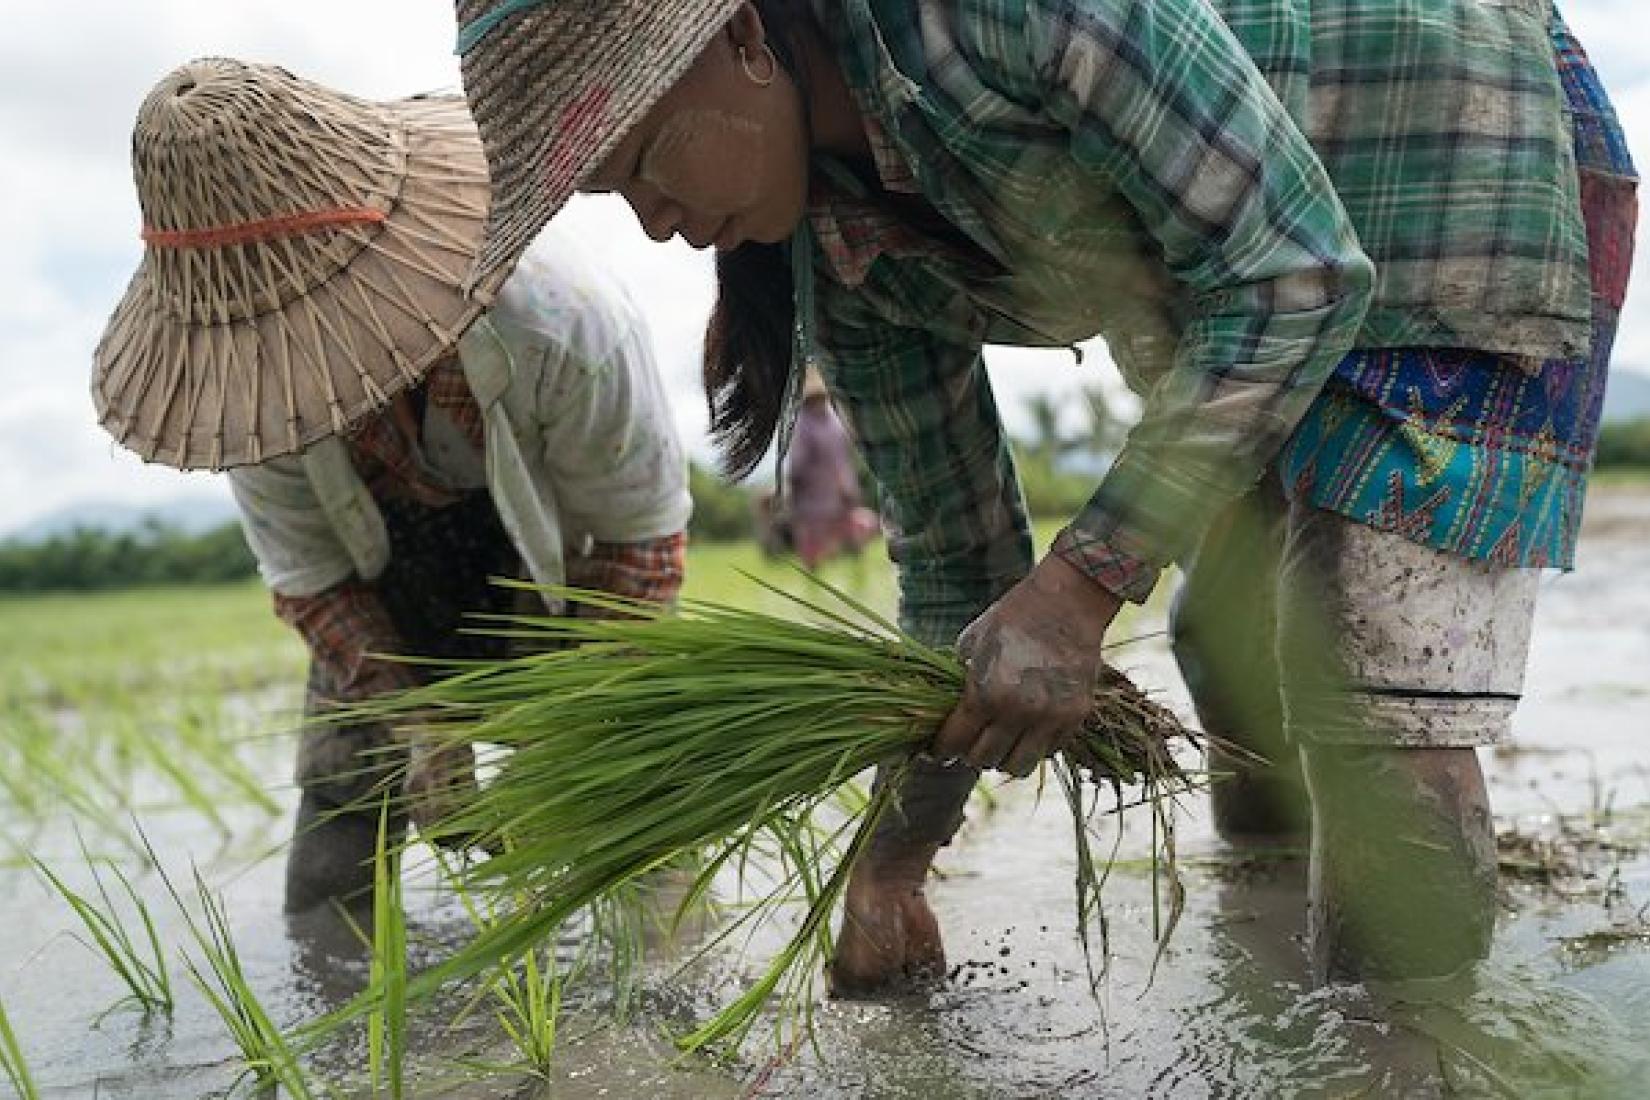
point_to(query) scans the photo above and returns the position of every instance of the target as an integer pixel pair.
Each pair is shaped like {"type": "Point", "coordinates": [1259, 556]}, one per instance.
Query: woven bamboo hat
{"type": "Point", "coordinates": [305, 254]}
{"type": "Point", "coordinates": [555, 85]}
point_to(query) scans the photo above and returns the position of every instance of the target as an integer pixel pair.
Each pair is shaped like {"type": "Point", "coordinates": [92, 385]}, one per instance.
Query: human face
{"type": "Point", "coordinates": [722, 159]}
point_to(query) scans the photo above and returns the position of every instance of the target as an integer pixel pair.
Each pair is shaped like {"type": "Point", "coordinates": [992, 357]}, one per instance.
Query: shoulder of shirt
{"type": "Point", "coordinates": [561, 294]}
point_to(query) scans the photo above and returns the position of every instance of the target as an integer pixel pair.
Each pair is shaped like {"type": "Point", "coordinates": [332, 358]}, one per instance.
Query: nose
{"type": "Point", "coordinates": [660, 217]}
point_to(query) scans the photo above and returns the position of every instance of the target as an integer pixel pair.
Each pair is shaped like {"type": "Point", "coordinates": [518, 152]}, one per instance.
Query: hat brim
{"type": "Point", "coordinates": [215, 396]}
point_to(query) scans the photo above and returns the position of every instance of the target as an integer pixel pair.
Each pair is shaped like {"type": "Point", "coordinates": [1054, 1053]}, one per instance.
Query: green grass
{"type": "Point", "coordinates": [1611, 477]}
{"type": "Point", "coordinates": [82, 650]}
{"type": "Point", "coordinates": [132, 700]}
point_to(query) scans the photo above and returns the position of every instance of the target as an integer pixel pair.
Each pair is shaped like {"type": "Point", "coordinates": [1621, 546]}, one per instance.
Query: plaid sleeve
{"type": "Point", "coordinates": [922, 414]}
{"type": "Point", "coordinates": [651, 569]}
{"type": "Point", "coordinates": [1163, 104]}
{"type": "Point", "coordinates": [344, 627]}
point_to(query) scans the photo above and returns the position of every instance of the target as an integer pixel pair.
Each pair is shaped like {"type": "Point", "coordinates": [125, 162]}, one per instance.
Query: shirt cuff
{"type": "Point", "coordinates": [1125, 575]}
{"type": "Point", "coordinates": [347, 629]}
{"type": "Point", "coordinates": [651, 569]}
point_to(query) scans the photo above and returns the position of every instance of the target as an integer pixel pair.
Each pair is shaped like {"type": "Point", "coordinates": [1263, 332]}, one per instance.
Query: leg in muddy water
{"type": "Point", "coordinates": [331, 856]}
{"type": "Point", "coordinates": [341, 770]}
{"type": "Point", "coordinates": [1223, 629]}
{"type": "Point", "coordinates": [1403, 873]}
{"type": "Point", "coordinates": [890, 939]}
{"type": "Point", "coordinates": [1399, 661]}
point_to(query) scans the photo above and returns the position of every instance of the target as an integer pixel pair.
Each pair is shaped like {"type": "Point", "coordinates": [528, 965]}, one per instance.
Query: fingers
{"type": "Point", "coordinates": [977, 734]}
{"type": "Point", "coordinates": [1032, 749]}
{"type": "Point", "coordinates": [991, 747]}
{"type": "Point", "coordinates": [962, 727]}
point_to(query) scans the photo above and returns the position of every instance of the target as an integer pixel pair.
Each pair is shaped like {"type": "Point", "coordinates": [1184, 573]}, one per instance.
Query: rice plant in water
{"type": "Point", "coordinates": [387, 1025]}
{"type": "Point", "coordinates": [141, 965]}
{"type": "Point", "coordinates": [270, 1060]}
{"type": "Point", "coordinates": [626, 742]}
{"type": "Point", "coordinates": [524, 993]}
{"type": "Point", "coordinates": [16, 1070]}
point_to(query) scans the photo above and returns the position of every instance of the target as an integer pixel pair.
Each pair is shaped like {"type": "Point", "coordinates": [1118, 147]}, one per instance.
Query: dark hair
{"type": "Point", "coordinates": [749, 340]}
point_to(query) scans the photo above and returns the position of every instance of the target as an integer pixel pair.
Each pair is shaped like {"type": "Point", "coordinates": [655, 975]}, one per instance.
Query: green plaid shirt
{"type": "Point", "coordinates": [1122, 168]}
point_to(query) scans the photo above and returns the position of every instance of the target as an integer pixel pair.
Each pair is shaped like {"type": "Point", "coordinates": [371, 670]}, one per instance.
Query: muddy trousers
{"type": "Point", "coordinates": [441, 560]}
{"type": "Point", "coordinates": [1364, 669]}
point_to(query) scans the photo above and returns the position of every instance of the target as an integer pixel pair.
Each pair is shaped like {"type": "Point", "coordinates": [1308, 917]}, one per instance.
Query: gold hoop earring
{"type": "Point", "coordinates": [761, 80]}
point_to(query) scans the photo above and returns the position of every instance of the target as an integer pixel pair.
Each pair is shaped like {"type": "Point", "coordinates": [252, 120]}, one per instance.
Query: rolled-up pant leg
{"type": "Point", "coordinates": [1389, 643]}
{"type": "Point", "coordinates": [1398, 662]}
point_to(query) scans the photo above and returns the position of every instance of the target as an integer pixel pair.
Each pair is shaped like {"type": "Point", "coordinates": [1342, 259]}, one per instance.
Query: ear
{"type": "Point", "coordinates": [746, 28]}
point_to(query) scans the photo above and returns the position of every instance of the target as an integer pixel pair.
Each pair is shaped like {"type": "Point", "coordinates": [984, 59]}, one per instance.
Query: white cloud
{"type": "Point", "coordinates": [70, 84]}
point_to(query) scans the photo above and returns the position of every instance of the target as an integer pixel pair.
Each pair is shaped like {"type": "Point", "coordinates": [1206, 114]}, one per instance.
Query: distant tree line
{"type": "Point", "coordinates": [89, 559]}
{"type": "Point", "coordinates": [1625, 443]}
{"type": "Point", "coordinates": [1059, 469]}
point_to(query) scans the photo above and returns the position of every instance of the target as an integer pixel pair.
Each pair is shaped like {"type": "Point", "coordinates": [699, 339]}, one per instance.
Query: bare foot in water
{"type": "Point", "coordinates": [890, 940]}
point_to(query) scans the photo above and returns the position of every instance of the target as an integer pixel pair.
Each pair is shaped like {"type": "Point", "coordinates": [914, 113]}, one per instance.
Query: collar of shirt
{"type": "Point", "coordinates": [850, 228]}
{"type": "Point", "coordinates": [388, 455]}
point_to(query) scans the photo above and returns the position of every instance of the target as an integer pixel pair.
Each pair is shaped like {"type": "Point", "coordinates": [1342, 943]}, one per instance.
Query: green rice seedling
{"type": "Point", "coordinates": [141, 966]}
{"type": "Point", "coordinates": [529, 1006]}
{"type": "Point", "coordinates": [525, 994]}
{"type": "Point", "coordinates": [624, 743]}
{"type": "Point", "coordinates": [63, 781]}
{"type": "Point", "coordinates": [268, 1057]}
{"type": "Point", "coordinates": [180, 769]}
{"type": "Point", "coordinates": [199, 734]}
{"type": "Point", "coordinates": [12, 1063]}
{"type": "Point", "coordinates": [387, 1024]}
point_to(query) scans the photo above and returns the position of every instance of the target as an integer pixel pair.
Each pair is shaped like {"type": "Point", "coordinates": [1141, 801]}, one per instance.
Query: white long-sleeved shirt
{"type": "Point", "coordinates": [580, 442]}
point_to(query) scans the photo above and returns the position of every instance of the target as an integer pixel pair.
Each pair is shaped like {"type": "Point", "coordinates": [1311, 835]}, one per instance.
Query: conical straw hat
{"type": "Point", "coordinates": [555, 85]}
{"type": "Point", "coordinates": [305, 254]}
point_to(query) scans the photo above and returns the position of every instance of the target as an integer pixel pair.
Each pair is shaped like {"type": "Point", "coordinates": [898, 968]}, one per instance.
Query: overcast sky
{"type": "Point", "coordinates": [70, 83]}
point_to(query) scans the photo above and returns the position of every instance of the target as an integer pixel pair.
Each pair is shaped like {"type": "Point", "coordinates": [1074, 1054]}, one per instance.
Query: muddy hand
{"type": "Point", "coordinates": [1032, 661]}
{"type": "Point", "coordinates": [441, 780]}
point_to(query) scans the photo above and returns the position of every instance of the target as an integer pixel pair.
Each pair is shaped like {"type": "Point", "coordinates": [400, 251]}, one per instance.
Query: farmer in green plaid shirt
{"type": "Point", "coordinates": [1336, 246]}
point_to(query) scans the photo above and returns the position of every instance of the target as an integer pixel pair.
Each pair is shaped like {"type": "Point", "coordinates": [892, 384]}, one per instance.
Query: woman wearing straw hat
{"type": "Point", "coordinates": [298, 318]}
{"type": "Point", "coordinates": [908, 180]}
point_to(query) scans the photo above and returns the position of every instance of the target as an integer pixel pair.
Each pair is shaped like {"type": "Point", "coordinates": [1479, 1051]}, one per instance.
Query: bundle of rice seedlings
{"type": "Point", "coordinates": [624, 744]}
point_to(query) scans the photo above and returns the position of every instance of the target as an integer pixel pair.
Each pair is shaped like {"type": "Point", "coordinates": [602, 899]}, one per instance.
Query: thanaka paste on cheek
{"type": "Point", "coordinates": [669, 162]}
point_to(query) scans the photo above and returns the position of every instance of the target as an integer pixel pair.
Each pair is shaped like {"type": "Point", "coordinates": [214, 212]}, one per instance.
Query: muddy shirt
{"type": "Point", "coordinates": [1124, 168]}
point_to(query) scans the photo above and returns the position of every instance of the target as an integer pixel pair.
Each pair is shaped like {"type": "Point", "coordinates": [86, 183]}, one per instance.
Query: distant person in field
{"type": "Point", "coordinates": [822, 494]}
{"type": "Point", "coordinates": [300, 319]}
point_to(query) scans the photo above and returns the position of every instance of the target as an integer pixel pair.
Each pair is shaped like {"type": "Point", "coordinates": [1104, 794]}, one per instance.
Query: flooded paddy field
{"type": "Point", "coordinates": [162, 712]}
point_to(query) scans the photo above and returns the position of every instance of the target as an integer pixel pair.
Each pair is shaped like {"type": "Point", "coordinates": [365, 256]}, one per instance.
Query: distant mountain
{"type": "Point", "coordinates": [193, 514]}
{"type": "Point", "coordinates": [1627, 395]}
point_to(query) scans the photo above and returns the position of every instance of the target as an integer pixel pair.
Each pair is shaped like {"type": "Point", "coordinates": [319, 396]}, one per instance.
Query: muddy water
{"type": "Point", "coordinates": [1562, 1008]}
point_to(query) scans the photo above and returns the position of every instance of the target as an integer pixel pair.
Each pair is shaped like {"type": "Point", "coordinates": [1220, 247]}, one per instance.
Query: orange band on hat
{"type": "Point", "coordinates": [292, 225]}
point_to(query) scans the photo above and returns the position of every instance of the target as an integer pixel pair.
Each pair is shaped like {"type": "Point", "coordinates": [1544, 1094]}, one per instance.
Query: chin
{"type": "Point", "coordinates": [779, 229]}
